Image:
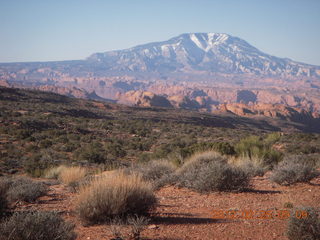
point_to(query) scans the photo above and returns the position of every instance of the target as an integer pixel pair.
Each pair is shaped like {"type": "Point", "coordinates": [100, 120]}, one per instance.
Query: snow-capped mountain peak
{"type": "Point", "coordinates": [205, 52]}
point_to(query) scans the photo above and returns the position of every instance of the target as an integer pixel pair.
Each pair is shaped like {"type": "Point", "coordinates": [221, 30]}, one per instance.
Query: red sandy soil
{"type": "Point", "coordinates": [184, 214]}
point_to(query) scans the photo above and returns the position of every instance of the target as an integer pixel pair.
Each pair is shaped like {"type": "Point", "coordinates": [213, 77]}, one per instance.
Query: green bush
{"type": "Point", "coordinates": [272, 138]}
{"type": "Point", "coordinates": [305, 227]}
{"type": "Point", "coordinates": [271, 157]}
{"type": "Point", "coordinates": [209, 171]}
{"type": "Point", "coordinates": [115, 149]}
{"type": "Point", "coordinates": [256, 147]}
{"type": "Point", "coordinates": [25, 189]}
{"type": "Point", "coordinates": [293, 170]}
{"type": "Point", "coordinates": [93, 153]}
{"type": "Point", "coordinates": [223, 148]}
{"type": "Point", "coordinates": [36, 164]}
{"type": "Point", "coordinates": [36, 226]}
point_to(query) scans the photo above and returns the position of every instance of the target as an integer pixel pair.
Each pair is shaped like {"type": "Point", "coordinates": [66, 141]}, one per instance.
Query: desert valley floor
{"type": "Point", "coordinates": [184, 214]}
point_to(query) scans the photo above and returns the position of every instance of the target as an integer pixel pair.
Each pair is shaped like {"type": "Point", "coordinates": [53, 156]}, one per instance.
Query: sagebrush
{"type": "Point", "coordinates": [209, 171]}
{"type": "Point", "coordinates": [36, 226]}
{"type": "Point", "coordinates": [115, 196]}
{"type": "Point", "coordinates": [304, 227]}
{"type": "Point", "coordinates": [293, 170]}
{"type": "Point", "coordinates": [158, 172]}
{"type": "Point", "coordinates": [25, 189]}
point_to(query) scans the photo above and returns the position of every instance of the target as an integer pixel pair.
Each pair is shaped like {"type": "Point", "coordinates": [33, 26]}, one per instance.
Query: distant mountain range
{"type": "Point", "coordinates": [199, 71]}
{"type": "Point", "coordinates": [203, 52]}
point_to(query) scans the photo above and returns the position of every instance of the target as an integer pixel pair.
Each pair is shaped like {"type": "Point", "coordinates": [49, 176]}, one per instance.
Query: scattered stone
{"type": "Point", "coordinates": [153, 226]}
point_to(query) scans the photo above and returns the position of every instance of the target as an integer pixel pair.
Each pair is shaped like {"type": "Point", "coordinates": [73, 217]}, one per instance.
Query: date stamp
{"type": "Point", "coordinates": [258, 214]}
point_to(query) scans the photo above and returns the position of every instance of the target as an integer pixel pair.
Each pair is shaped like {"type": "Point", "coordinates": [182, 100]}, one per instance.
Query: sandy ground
{"type": "Point", "coordinates": [184, 214]}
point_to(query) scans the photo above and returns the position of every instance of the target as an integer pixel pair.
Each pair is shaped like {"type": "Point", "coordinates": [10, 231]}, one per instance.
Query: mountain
{"type": "Point", "coordinates": [202, 52]}
{"type": "Point", "coordinates": [192, 53]}
{"type": "Point", "coordinates": [197, 71]}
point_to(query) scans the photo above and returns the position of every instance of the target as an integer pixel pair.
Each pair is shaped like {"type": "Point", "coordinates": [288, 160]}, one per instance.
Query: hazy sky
{"type": "Point", "coordinates": [42, 30]}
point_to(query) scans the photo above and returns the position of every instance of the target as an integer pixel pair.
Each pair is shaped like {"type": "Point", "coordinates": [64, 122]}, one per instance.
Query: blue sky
{"type": "Point", "coordinates": [34, 30]}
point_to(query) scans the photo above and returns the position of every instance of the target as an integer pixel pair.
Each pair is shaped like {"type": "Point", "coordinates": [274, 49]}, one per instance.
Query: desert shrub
{"type": "Point", "coordinates": [93, 153]}
{"type": "Point", "coordinates": [271, 157]}
{"type": "Point", "coordinates": [176, 159]}
{"type": "Point", "coordinates": [292, 170]}
{"type": "Point", "coordinates": [145, 157]}
{"type": "Point", "coordinates": [138, 143]}
{"type": "Point", "coordinates": [176, 145]}
{"type": "Point", "coordinates": [3, 196]}
{"type": "Point", "coordinates": [249, 146]}
{"type": "Point", "coordinates": [25, 189]}
{"type": "Point", "coordinates": [139, 127]}
{"type": "Point", "coordinates": [301, 143]}
{"type": "Point", "coordinates": [114, 196]}
{"type": "Point", "coordinates": [209, 171]}
{"type": "Point", "coordinates": [72, 176]}
{"type": "Point", "coordinates": [36, 226]}
{"type": "Point", "coordinates": [303, 148]}
{"type": "Point", "coordinates": [256, 147]}
{"type": "Point", "coordinates": [36, 164]}
{"type": "Point", "coordinates": [10, 157]}
{"type": "Point", "coordinates": [22, 133]}
{"type": "Point", "coordinates": [155, 169]}
{"type": "Point", "coordinates": [32, 148]}
{"type": "Point", "coordinates": [45, 143]}
{"type": "Point", "coordinates": [223, 148]}
{"type": "Point", "coordinates": [138, 224]}
{"type": "Point", "coordinates": [54, 172]}
{"type": "Point", "coordinates": [253, 167]}
{"type": "Point", "coordinates": [310, 149]}
{"type": "Point", "coordinates": [272, 138]}
{"type": "Point", "coordinates": [115, 149]}
{"type": "Point", "coordinates": [305, 227]}
{"type": "Point", "coordinates": [70, 147]}
{"type": "Point", "coordinates": [116, 226]}
{"type": "Point", "coordinates": [158, 172]}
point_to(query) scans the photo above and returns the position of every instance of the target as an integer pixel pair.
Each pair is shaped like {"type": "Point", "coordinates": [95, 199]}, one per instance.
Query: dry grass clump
{"type": "Point", "coordinates": [71, 176]}
{"type": "Point", "coordinates": [36, 226]}
{"type": "Point", "coordinates": [138, 224]}
{"type": "Point", "coordinates": [206, 156]}
{"type": "Point", "coordinates": [209, 171]}
{"type": "Point", "coordinates": [253, 166]}
{"type": "Point", "coordinates": [116, 196]}
{"type": "Point", "coordinates": [54, 173]}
